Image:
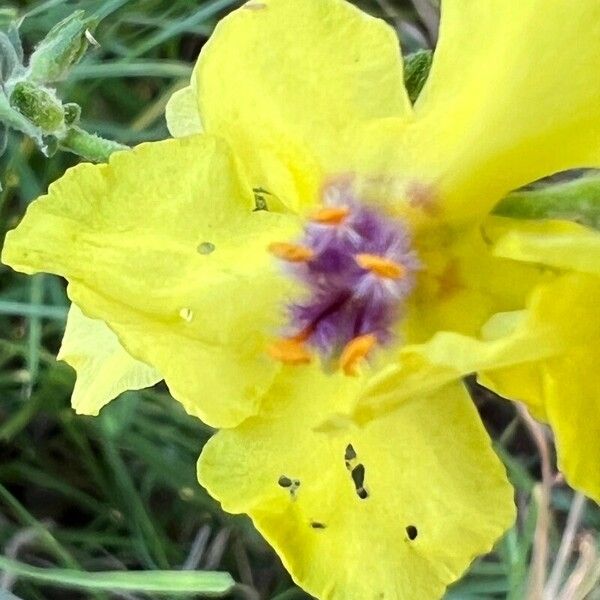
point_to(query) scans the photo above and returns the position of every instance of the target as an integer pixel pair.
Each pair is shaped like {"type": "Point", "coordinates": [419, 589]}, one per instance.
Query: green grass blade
{"type": "Point", "coordinates": [34, 336]}
{"type": "Point", "coordinates": [139, 68]}
{"type": "Point", "coordinates": [21, 309]}
{"type": "Point", "coordinates": [207, 583]}
{"type": "Point", "coordinates": [210, 9]}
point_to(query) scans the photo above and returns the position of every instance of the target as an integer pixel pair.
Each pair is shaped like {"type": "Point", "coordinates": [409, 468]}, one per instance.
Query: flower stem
{"type": "Point", "coordinates": [89, 146]}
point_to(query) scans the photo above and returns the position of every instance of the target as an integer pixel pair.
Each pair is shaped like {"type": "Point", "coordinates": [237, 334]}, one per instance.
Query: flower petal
{"type": "Point", "coordinates": [182, 113]}
{"type": "Point", "coordinates": [549, 327]}
{"type": "Point", "coordinates": [282, 82]}
{"type": "Point", "coordinates": [513, 95]}
{"type": "Point", "coordinates": [564, 389]}
{"type": "Point", "coordinates": [421, 493]}
{"type": "Point", "coordinates": [560, 244]}
{"type": "Point", "coordinates": [163, 245]}
{"type": "Point", "coordinates": [565, 393]}
{"type": "Point", "coordinates": [104, 368]}
{"type": "Point", "coordinates": [462, 284]}
{"type": "Point", "coordinates": [572, 402]}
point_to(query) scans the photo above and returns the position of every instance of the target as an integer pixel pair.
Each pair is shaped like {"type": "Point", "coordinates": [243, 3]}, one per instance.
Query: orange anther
{"type": "Point", "coordinates": [333, 215]}
{"type": "Point", "coordinates": [355, 351]}
{"type": "Point", "coordinates": [380, 266]}
{"type": "Point", "coordinates": [291, 252]}
{"type": "Point", "coordinates": [290, 351]}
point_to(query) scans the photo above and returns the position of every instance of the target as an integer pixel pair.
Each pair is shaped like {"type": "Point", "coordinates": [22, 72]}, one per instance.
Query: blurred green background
{"type": "Point", "coordinates": [119, 492]}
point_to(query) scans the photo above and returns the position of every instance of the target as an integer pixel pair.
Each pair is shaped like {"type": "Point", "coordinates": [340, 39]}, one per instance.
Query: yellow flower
{"type": "Point", "coordinates": [362, 460]}
{"type": "Point", "coordinates": [561, 388]}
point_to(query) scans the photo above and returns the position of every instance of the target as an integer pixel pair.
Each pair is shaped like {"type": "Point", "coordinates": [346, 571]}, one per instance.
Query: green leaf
{"type": "Point", "coordinates": [206, 583]}
{"type": "Point", "coordinates": [577, 200]}
{"type": "Point", "coordinates": [416, 71]}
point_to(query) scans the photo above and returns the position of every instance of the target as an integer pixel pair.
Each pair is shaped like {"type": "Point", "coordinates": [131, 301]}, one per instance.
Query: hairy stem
{"type": "Point", "coordinates": [89, 146]}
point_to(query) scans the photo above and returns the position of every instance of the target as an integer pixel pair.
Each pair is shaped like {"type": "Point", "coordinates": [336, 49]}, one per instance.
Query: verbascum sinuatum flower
{"type": "Point", "coordinates": [311, 266]}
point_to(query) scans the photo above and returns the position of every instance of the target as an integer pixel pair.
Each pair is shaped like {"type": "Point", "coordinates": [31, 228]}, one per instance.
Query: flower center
{"type": "Point", "coordinates": [358, 267]}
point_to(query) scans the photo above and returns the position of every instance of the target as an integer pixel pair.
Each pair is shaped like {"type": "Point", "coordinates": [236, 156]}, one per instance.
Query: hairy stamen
{"type": "Point", "coordinates": [291, 350]}
{"type": "Point", "coordinates": [358, 266]}
{"type": "Point", "coordinates": [294, 253]}
{"type": "Point", "coordinates": [355, 351]}
{"type": "Point", "coordinates": [380, 266]}
{"type": "Point", "coordinates": [333, 215]}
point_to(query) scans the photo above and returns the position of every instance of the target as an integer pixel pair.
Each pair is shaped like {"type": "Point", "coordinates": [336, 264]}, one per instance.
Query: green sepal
{"type": "Point", "coordinates": [61, 49]}
{"type": "Point", "coordinates": [38, 105]}
{"type": "Point", "coordinates": [416, 71]}
{"type": "Point", "coordinates": [577, 200]}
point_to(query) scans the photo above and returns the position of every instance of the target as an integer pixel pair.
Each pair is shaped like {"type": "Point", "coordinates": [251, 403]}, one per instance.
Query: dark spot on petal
{"type": "Point", "coordinates": [296, 483]}
{"type": "Point", "coordinates": [411, 532]}
{"type": "Point", "coordinates": [350, 453]}
{"type": "Point", "coordinates": [206, 248]}
{"type": "Point", "coordinates": [285, 482]}
{"type": "Point", "coordinates": [317, 525]}
{"type": "Point", "coordinates": [260, 202]}
{"type": "Point", "coordinates": [358, 476]}
{"type": "Point", "coordinates": [362, 493]}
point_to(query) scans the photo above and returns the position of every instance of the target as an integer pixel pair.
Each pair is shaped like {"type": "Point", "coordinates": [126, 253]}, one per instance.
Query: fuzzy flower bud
{"type": "Point", "coordinates": [38, 105]}
{"type": "Point", "coordinates": [60, 50]}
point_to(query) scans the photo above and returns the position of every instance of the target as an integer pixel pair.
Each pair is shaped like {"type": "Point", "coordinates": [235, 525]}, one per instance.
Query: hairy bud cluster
{"type": "Point", "coordinates": [28, 103]}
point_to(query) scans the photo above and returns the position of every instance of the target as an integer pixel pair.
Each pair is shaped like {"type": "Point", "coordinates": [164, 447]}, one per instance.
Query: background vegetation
{"type": "Point", "coordinates": [119, 492]}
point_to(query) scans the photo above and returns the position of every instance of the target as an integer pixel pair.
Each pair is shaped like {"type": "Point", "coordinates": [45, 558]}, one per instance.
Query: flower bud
{"type": "Point", "coordinates": [38, 105]}
{"type": "Point", "coordinates": [13, 119]}
{"type": "Point", "coordinates": [60, 50]}
{"type": "Point", "coordinates": [72, 113]}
